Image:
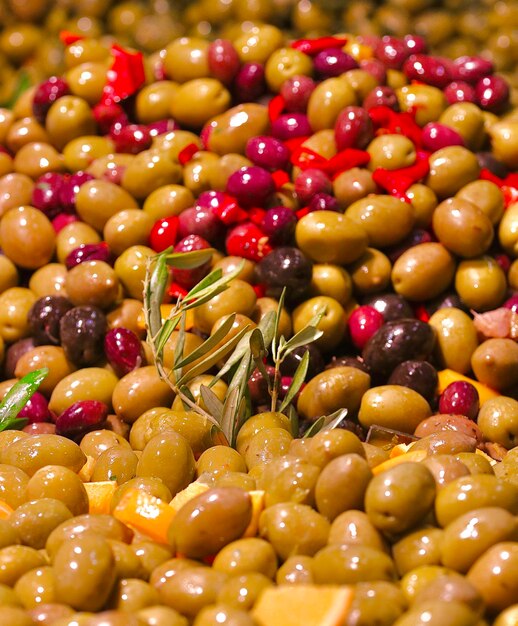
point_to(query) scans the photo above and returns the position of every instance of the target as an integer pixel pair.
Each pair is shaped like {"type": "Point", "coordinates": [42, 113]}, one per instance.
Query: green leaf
{"type": "Point", "coordinates": [204, 283]}
{"type": "Point", "coordinates": [189, 260]}
{"type": "Point", "coordinates": [164, 334]}
{"type": "Point", "coordinates": [209, 343]}
{"type": "Point", "coordinates": [154, 294]}
{"type": "Point", "coordinates": [275, 345]}
{"type": "Point", "coordinates": [229, 412]}
{"type": "Point", "coordinates": [331, 421]}
{"type": "Point", "coordinates": [315, 428]}
{"type": "Point", "coordinates": [294, 420]}
{"type": "Point", "coordinates": [209, 285]}
{"type": "Point", "coordinates": [17, 397]}
{"type": "Point", "coordinates": [178, 349]}
{"type": "Point", "coordinates": [212, 358]}
{"type": "Point", "coordinates": [267, 327]}
{"type": "Point", "coordinates": [257, 347]}
{"type": "Point", "coordinates": [24, 83]}
{"type": "Point", "coordinates": [212, 402]}
{"type": "Point", "coordinates": [298, 378]}
{"type": "Point", "coordinates": [185, 392]}
{"type": "Point", "coordinates": [306, 335]}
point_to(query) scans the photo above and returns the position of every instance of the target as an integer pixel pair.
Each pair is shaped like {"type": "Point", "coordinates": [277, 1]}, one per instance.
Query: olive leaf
{"type": "Point", "coordinates": [229, 413]}
{"type": "Point", "coordinates": [298, 378]}
{"type": "Point", "coordinates": [17, 397]}
{"type": "Point", "coordinates": [275, 344]}
{"type": "Point", "coordinates": [24, 82]}
{"type": "Point", "coordinates": [303, 337]}
{"type": "Point", "coordinates": [212, 402]}
{"type": "Point", "coordinates": [186, 397]}
{"type": "Point", "coordinates": [154, 290]}
{"type": "Point", "coordinates": [257, 347]}
{"type": "Point", "coordinates": [179, 347]}
{"type": "Point", "coordinates": [189, 260]}
{"type": "Point", "coordinates": [294, 420]}
{"type": "Point", "coordinates": [326, 422]}
{"type": "Point", "coordinates": [209, 343]}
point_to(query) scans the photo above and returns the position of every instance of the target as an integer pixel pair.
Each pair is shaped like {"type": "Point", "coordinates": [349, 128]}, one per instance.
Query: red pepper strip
{"type": "Point", "coordinates": [260, 290]}
{"type": "Point", "coordinates": [313, 46]}
{"type": "Point", "coordinates": [421, 313]}
{"type": "Point", "coordinates": [385, 120]}
{"type": "Point", "coordinates": [302, 212]}
{"type": "Point", "coordinates": [186, 154]}
{"type": "Point", "coordinates": [67, 38]}
{"type": "Point", "coordinates": [508, 185]}
{"type": "Point", "coordinates": [510, 195]}
{"type": "Point", "coordinates": [511, 180]}
{"type": "Point", "coordinates": [230, 212]}
{"type": "Point", "coordinates": [125, 76]}
{"type": "Point", "coordinates": [280, 178]}
{"type": "Point", "coordinates": [256, 215]}
{"type": "Point", "coordinates": [346, 159]}
{"type": "Point", "coordinates": [176, 291]}
{"type": "Point", "coordinates": [295, 143]}
{"type": "Point", "coordinates": [493, 178]}
{"type": "Point", "coordinates": [276, 107]}
{"type": "Point", "coordinates": [397, 182]}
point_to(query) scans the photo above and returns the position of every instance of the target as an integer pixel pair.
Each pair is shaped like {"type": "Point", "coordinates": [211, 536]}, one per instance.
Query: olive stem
{"type": "Point", "coordinates": [275, 386]}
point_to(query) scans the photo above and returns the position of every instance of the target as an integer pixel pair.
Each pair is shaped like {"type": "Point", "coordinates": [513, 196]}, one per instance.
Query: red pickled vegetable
{"type": "Point", "coordinates": [125, 76]}
{"type": "Point", "coordinates": [397, 182]}
{"type": "Point", "coordinates": [276, 107]}
{"type": "Point", "coordinates": [312, 47]}
{"type": "Point", "coordinates": [68, 38]}
{"type": "Point", "coordinates": [187, 153]}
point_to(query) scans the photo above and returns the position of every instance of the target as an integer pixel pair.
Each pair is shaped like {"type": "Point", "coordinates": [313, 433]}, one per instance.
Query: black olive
{"type": "Point", "coordinates": [44, 318]}
{"type": "Point", "coordinates": [285, 267]}
{"type": "Point", "coordinates": [420, 376]}
{"type": "Point", "coordinates": [82, 331]}
{"type": "Point", "coordinates": [390, 305]}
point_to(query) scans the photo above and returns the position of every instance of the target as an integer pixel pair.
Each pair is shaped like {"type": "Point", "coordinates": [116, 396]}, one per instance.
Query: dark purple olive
{"type": "Point", "coordinates": [416, 237]}
{"type": "Point", "coordinates": [290, 126]}
{"type": "Point", "coordinates": [427, 69]}
{"type": "Point", "coordinates": [249, 83]}
{"type": "Point", "coordinates": [460, 398]}
{"type": "Point", "coordinates": [258, 386]}
{"type": "Point", "coordinates": [251, 185]}
{"type": "Point", "coordinates": [436, 136]}
{"type": "Point", "coordinates": [123, 350]}
{"type": "Point", "coordinates": [333, 62]}
{"type": "Point", "coordinates": [201, 221]}
{"type": "Point", "coordinates": [316, 362]}
{"type": "Point", "coordinates": [381, 96]}
{"type": "Point", "coordinates": [267, 152]}
{"type": "Point", "coordinates": [14, 352]}
{"type": "Point", "coordinates": [131, 138]}
{"type": "Point", "coordinates": [296, 92]}
{"type": "Point", "coordinates": [46, 193]}
{"type": "Point", "coordinates": [375, 68]}
{"type": "Point", "coordinates": [323, 202]}
{"type": "Point", "coordinates": [390, 305]}
{"type": "Point", "coordinates": [393, 52]}
{"type": "Point", "coordinates": [88, 252]}
{"type": "Point", "coordinates": [44, 319]}
{"type": "Point", "coordinates": [223, 60]}
{"type": "Point", "coordinates": [36, 409]}
{"type": "Point", "coordinates": [471, 69]}
{"type": "Point", "coordinates": [488, 161]}
{"type": "Point", "coordinates": [395, 342]}
{"type": "Point", "coordinates": [310, 182]}
{"type": "Point", "coordinates": [81, 332]}
{"type": "Point", "coordinates": [279, 224]}
{"type": "Point", "coordinates": [46, 94]}
{"type": "Point", "coordinates": [161, 127]}
{"type": "Point", "coordinates": [70, 187]}
{"type": "Point", "coordinates": [459, 91]}
{"type": "Point", "coordinates": [347, 361]}
{"type": "Point", "coordinates": [420, 376]}
{"type": "Point", "coordinates": [108, 115]}
{"type": "Point", "coordinates": [446, 301]}
{"type": "Point", "coordinates": [353, 128]}
{"type": "Point", "coordinates": [492, 93]}
{"type": "Point", "coordinates": [80, 418]}
{"type": "Point", "coordinates": [285, 267]}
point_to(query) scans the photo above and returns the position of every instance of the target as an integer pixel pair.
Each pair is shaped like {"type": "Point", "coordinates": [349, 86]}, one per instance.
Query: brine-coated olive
{"type": "Point", "coordinates": [247, 555]}
{"type": "Point", "coordinates": [494, 363]}
{"type": "Point", "coordinates": [59, 483]}
{"type": "Point", "coordinates": [420, 376]}
{"type": "Point", "coordinates": [421, 547]}
{"type": "Point", "coordinates": [456, 338]}
{"type": "Point", "coordinates": [393, 406]}
{"type": "Point", "coordinates": [355, 528]}
{"type": "Point", "coordinates": [343, 565]}
{"type": "Point", "coordinates": [36, 519]}
{"type": "Point", "coordinates": [190, 590]}
{"type": "Point", "coordinates": [376, 602]}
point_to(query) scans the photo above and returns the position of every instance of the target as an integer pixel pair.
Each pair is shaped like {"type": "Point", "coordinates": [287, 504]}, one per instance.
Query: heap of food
{"type": "Point", "coordinates": [258, 315]}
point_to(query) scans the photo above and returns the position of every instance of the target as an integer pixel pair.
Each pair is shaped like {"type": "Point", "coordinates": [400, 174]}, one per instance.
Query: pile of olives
{"type": "Point", "coordinates": [364, 177]}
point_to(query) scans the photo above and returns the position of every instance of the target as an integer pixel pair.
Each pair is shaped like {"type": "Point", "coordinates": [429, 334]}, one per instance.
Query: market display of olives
{"type": "Point", "coordinates": [258, 312]}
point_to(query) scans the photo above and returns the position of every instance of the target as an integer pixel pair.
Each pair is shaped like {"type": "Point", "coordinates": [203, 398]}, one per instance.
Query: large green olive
{"type": "Point", "coordinates": [445, 468]}
{"type": "Point", "coordinates": [230, 131]}
{"type": "Point", "coordinates": [15, 561]}
{"type": "Point", "coordinates": [59, 483]}
{"type": "Point", "coordinates": [117, 464]}
{"type": "Point", "coordinates": [295, 570]}
{"type": "Point", "coordinates": [258, 422]}
{"type": "Point", "coordinates": [330, 237]}
{"type": "Point", "coordinates": [342, 484]}
{"type": "Point", "coordinates": [508, 230]}
{"type": "Point", "coordinates": [98, 200]}
{"type": "Point", "coordinates": [84, 572]}
{"type": "Point", "coordinates": [378, 602]}
{"type": "Point", "coordinates": [498, 421]}
{"type": "Point", "coordinates": [428, 102]}
{"type": "Point", "coordinates": [332, 322]}
{"type": "Point", "coordinates": [393, 406]}
{"type": "Point", "coordinates": [346, 565]}
{"type": "Point", "coordinates": [385, 219]}
{"type": "Point", "coordinates": [36, 519]}
{"type": "Point", "coordinates": [456, 338]}
{"type": "Point", "coordinates": [168, 456]}
{"type": "Point", "coordinates": [421, 547]}
{"type": "Point", "coordinates": [355, 528]}
{"type": "Point", "coordinates": [293, 529]}
{"type": "Point", "coordinates": [238, 298]}
{"type": "Point", "coordinates": [467, 537]}
{"type": "Point", "coordinates": [336, 388]}
{"type": "Point", "coordinates": [242, 591]}
{"type": "Point", "coordinates": [132, 594]}
{"type": "Point", "coordinates": [371, 272]}
{"type": "Point", "coordinates": [332, 281]}
{"type": "Point", "coordinates": [494, 363]}
{"type": "Point", "coordinates": [198, 100]}
{"type": "Point", "coordinates": [294, 482]}
{"type": "Point", "coordinates": [451, 588]}
{"type": "Point", "coordinates": [423, 271]}
{"type": "Point", "coordinates": [391, 152]}
{"type": "Point", "coordinates": [285, 63]}
{"type": "Point", "coordinates": [331, 444]}
{"type": "Point", "coordinates": [503, 136]}
{"type": "Point", "coordinates": [160, 615]}
{"type": "Point", "coordinates": [486, 196]}
{"type": "Point", "coordinates": [439, 613]}
{"type": "Point", "coordinates": [473, 492]}
{"type": "Point", "coordinates": [480, 283]}
{"type": "Point", "coordinates": [495, 575]}
{"type": "Point", "coordinates": [467, 119]}
{"type": "Point", "coordinates": [13, 484]}
{"type": "Point", "coordinates": [451, 168]}
{"type": "Point", "coordinates": [89, 383]}
{"type": "Point", "coordinates": [36, 587]}
{"type": "Point", "coordinates": [266, 445]}
{"type": "Point", "coordinates": [400, 497]}
{"type": "Point", "coordinates": [327, 100]}
{"type": "Point", "coordinates": [247, 555]}
{"type": "Point", "coordinates": [210, 521]}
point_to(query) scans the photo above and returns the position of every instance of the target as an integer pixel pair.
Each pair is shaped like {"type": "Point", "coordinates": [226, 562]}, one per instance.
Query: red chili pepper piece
{"type": "Point", "coordinates": [302, 212]}
{"type": "Point", "coordinates": [511, 180]}
{"type": "Point", "coordinates": [248, 241]}
{"type": "Point", "coordinates": [294, 144]}
{"type": "Point", "coordinates": [175, 291]}
{"type": "Point", "coordinates": [280, 178]}
{"type": "Point", "coordinates": [510, 195]}
{"type": "Point", "coordinates": [421, 313]}
{"type": "Point", "coordinates": [229, 211]}
{"type": "Point", "coordinates": [346, 159]}
{"type": "Point", "coordinates": [397, 182]}
{"type": "Point", "coordinates": [256, 215]}
{"type": "Point", "coordinates": [493, 178]}
{"type": "Point", "coordinates": [68, 38]}
{"type": "Point", "coordinates": [385, 120]}
{"type": "Point", "coordinates": [186, 154]}
{"type": "Point", "coordinates": [164, 233]}
{"type": "Point", "coordinates": [125, 76]}
{"type": "Point", "coordinates": [276, 107]}
{"type": "Point", "coordinates": [260, 290]}
{"type": "Point", "coordinates": [312, 47]}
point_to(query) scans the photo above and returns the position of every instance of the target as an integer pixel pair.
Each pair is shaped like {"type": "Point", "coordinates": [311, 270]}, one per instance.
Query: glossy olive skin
{"type": "Point", "coordinates": [332, 323]}
{"type": "Point", "coordinates": [421, 547]}
{"type": "Point", "coordinates": [497, 420]}
{"type": "Point", "coordinates": [399, 498]}
{"type": "Point", "coordinates": [247, 555]}
{"type": "Point", "coordinates": [456, 338]}
{"type": "Point", "coordinates": [439, 612]}
{"type": "Point", "coordinates": [480, 283]}
{"type": "Point", "coordinates": [467, 538]}
{"type": "Point", "coordinates": [383, 405]}
{"type": "Point", "coordinates": [351, 564]}
{"type": "Point", "coordinates": [376, 602]}
{"type": "Point", "coordinates": [340, 387]}
{"type": "Point", "coordinates": [395, 342]}
{"type": "Point", "coordinates": [36, 519]}
{"type": "Point", "coordinates": [202, 526]}
{"type": "Point", "coordinates": [293, 529]}
{"type": "Point", "coordinates": [420, 376]}
{"type": "Point", "coordinates": [493, 363]}
{"type": "Point", "coordinates": [15, 561]}
{"type": "Point", "coordinates": [472, 492]}
{"type": "Point", "coordinates": [354, 528]}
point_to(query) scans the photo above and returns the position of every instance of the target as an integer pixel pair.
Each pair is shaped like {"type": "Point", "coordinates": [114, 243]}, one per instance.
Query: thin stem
{"type": "Point", "coordinates": [275, 386]}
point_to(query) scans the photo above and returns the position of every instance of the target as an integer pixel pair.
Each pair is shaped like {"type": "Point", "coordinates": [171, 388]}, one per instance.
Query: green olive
{"type": "Point", "coordinates": [331, 281]}
{"type": "Point", "coordinates": [15, 561]}
{"type": "Point", "coordinates": [242, 591]}
{"type": "Point", "coordinates": [90, 383]}
{"type": "Point", "coordinates": [36, 519]}
{"type": "Point", "coordinates": [294, 482]}
{"type": "Point", "coordinates": [467, 119]}
{"type": "Point", "coordinates": [451, 168]}
{"type": "Point", "coordinates": [439, 613]}
{"type": "Point", "coordinates": [231, 130]}
{"type": "Point", "coordinates": [494, 363]}
{"type": "Point", "coordinates": [332, 322]}
{"type": "Point", "coordinates": [456, 338]}
{"type": "Point", "coordinates": [328, 445]}
{"type": "Point", "coordinates": [327, 100]}
{"type": "Point", "coordinates": [498, 421]}
{"type": "Point", "coordinates": [393, 406]}
{"type": "Point", "coordinates": [36, 587]}
{"type": "Point", "coordinates": [32, 453]}
{"type": "Point", "coordinates": [508, 230]}
{"type": "Point", "coordinates": [59, 483]}
{"type": "Point", "coordinates": [427, 101]}
{"type": "Point", "coordinates": [285, 63]}
{"type": "Point", "coordinates": [486, 196]}
{"type": "Point", "coordinates": [132, 594]}
{"type": "Point", "coordinates": [295, 570]}
{"type": "Point", "coordinates": [238, 298]}
{"type": "Point", "coordinates": [13, 483]}
{"type": "Point", "coordinates": [354, 528]}
{"type": "Point", "coordinates": [480, 283]}
{"type": "Point", "coordinates": [377, 602]}
{"type": "Point", "coordinates": [418, 548]}
{"type": "Point", "coordinates": [247, 555]}
{"type": "Point", "coordinates": [346, 565]}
